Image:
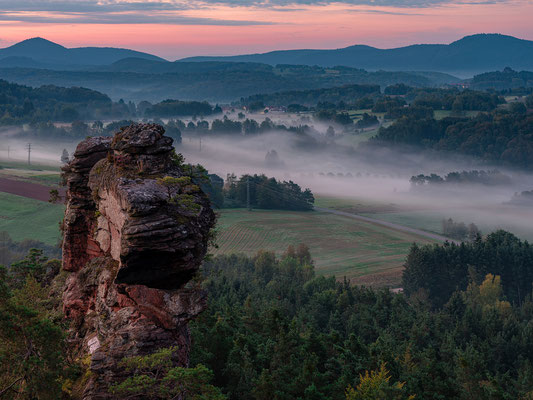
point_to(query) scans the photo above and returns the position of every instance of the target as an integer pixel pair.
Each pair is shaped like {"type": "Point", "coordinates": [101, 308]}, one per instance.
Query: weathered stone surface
{"type": "Point", "coordinates": [132, 247]}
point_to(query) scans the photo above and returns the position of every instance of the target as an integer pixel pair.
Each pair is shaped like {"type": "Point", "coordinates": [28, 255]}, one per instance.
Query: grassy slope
{"type": "Point", "coordinates": [429, 220]}
{"type": "Point", "coordinates": [25, 218]}
{"type": "Point", "coordinates": [440, 114]}
{"type": "Point", "coordinates": [43, 174]}
{"type": "Point", "coordinates": [34, 168]}
{"type": "Point", "coordinates": [339, 245]}
{"type": "Point", "coordinates": [425, 219]}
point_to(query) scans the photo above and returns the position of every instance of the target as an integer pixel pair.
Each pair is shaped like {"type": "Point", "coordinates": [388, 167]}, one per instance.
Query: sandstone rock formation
{"type": "Point", "coordinates": [136, 229]}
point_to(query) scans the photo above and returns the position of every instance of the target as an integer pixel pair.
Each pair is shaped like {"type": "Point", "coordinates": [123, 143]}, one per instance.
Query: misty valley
{"type": "Point", "coordinates": [266, 226]}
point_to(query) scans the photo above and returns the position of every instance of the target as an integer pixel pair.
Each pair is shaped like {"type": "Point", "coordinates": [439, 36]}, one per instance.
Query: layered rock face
{"type": "Point", "coordinates": [136, 229]}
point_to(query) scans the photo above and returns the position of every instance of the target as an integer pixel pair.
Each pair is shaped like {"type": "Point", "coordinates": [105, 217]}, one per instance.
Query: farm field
{"type": "Point", "coordinates": [364, 252]}
{"type": "Point", "coordinates": [43, 174]}
{"type": "Point", "coordinates": [354, 205]}
{"type": "Point", "coordinates": [33, 168]}
{"type": "Point", "coordinates": [440, 114]}
{"type": "Point", "coordinates": [354, 139]}
{"type": "Point", "coordinates": [25, 218]}
{"type": "Point", "coordinates": [430, 221]}
{"type": "Point", "coordinates": [427, 219]}
{"type": "Point", "coordinates": [358, 114]}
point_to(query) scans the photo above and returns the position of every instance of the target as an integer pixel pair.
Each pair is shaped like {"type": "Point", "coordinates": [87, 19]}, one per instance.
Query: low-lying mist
{"type": "Point", "coordinates": [371, 180]}
{"type": "Point", "coordinates": [366, 179]}
{"type": "Point", "coordinates": [14, 148]}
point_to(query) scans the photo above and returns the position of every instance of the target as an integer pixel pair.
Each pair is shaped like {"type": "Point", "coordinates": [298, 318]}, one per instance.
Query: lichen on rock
{"type": "Point", "coordinates": [136, 229]}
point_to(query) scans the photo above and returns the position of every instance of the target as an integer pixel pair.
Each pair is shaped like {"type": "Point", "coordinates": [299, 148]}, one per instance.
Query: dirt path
{"type": "Point", "coordinates": [26, 189]}
{"type": "Point", "coordinates": [392, 225]}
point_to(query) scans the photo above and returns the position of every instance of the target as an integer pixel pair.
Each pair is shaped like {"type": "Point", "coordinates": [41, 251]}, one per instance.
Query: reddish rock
{"type": "Point", "coordinates": [132, 246]}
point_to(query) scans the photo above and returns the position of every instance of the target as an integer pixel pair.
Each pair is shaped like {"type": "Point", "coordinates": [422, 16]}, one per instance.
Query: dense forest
{"type": "Point", "coordinates": [501, 80]}
{"type": "Point", "coordinates": [524, 198]}
{"type": "Point", "coordinates": [312, 97]}
{"type": "Point", "coordinates": [154, 81]}
{"type": "Point", "coordinates": [459, 230]}
{"type": "Point", "coordinates": [263, 192]}
{"type": "Point", "coordinates": [79, 129]}
{"type": "Point", "coordinates": [437, 271]}
{"type": "Point", "coordinates": [394, 97]}
{"type": "Point", "coordinates": [174, 108]}
{"type": "Point", "coordinates": [21, 104]}
{"type": "Point", "coordinates": [275, 330]}
{"type": "Point", "coordinates": [249, 126]}
{"type": "Point", "coordinates": [500, 136]}
{"type": "Point", "coordinates": [446, 98]}
{"type": "Point", "coordinates": [475, 177]}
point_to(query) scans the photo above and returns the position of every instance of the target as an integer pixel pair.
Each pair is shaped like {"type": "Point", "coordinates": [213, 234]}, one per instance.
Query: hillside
{"type": "Point", "coordinates": [501, 80]}
{"type": "Point", "coordinates": [135, 79]}
{"type": "Point", "coordinates": [464, 57]}
{"type": "Point", "coordinates": [39, 52]}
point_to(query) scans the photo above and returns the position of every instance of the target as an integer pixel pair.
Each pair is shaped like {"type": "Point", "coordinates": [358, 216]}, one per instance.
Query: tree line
{"type": "Point", "coordinates": [312, 97]}
{"type": "Point", "coordinates": [34, 358]}
{"type": "Point", "coordinates": [459, 230]}
{"type": "Point", "coordinates": [22, 104]}
{"type": "Point", "coordinates": [437, 271]}
{"type": "Point", "coordinates": [505, 79]}
{"type": "Point", "coordinates": [258, 191]}
{"type": "Point", "coordinates": [275, 330]}
{"type": "Point", "coordinates": [500, 136]}
{"type": "Point", "coordinates": [474, 177]}
{"type": "Point", "coordinates": [524, 198]}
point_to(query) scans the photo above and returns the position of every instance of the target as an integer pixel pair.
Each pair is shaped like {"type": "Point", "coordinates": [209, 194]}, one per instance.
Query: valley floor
{"type": "Point", "coordinates": [365, 252]}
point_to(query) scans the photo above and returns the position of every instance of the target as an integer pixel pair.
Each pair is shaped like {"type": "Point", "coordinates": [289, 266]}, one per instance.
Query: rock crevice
{"type": "Point", "coordinates": [136, 229]}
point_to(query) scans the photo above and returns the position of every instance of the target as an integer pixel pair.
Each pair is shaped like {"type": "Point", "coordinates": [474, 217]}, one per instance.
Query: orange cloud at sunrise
{"type": "Point", "coordinates": [176, 30]}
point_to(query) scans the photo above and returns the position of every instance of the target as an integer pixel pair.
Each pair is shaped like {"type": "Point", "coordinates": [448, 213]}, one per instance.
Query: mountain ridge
{"type": "Point", "coordinates": [50, 54]}
{"type": "Point", "coordinates": [464, 57]}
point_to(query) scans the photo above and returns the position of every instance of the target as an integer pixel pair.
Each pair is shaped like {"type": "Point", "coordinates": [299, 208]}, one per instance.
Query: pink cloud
{"type": "Point", "coordinates": [318, 26]}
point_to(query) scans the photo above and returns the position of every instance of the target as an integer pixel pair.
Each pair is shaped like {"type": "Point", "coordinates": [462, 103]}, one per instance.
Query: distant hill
{"type": "Point", "coordinates": [500, 80]}
{"type": "Point", "coordinates": [465, 57]}
{"type": "Point", "coordinates": [164, 67]}
{"type": "Point", "coordinates": [136, 79]}
{"type": "Point", "coordinates": [42, 53]}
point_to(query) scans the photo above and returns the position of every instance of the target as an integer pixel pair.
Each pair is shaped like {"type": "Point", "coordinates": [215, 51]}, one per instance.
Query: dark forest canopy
{"type": "Point", "coordinates": [79, 129]}
{"type": "Point", "coordinates": [445, 98]}
{"type": "Point", "coordinates": [396, 101]}
{"type": "Point", "coordinates": [370, 96]}
{"type": "Point", "coordinates": [139, 80]}
{"type": "Point", "coordinates": [501, 80]}
{"type": "Point", "coordinates": [267, 193]}
{"type": "Point", "coordinates": [501, 137]}
{"type": "Point", "coordinates": [273, 329]}
{"type": "Point", "coordinates": [475, 177]}
{"type": "Point", "coordinates": [227, 126]}
{"type": "Point", "coordinates": [436, 271]}
{"type": "Point", "coordinates": [524, 198]}
{"type": "Point", "coordinates": [450, 99]}
{"type": "Point", "coordinates": [174, 108]}
{"type": "Point", "coordinates": [312, 97]}
{"type": "Point", "coordinates": [20, 104]}
{"type": "Point", "coordinates": [459, 230]}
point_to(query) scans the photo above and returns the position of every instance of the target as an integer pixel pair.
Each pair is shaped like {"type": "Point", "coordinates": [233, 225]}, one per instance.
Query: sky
{"type": "Point", "coordinates": [175, 29]}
